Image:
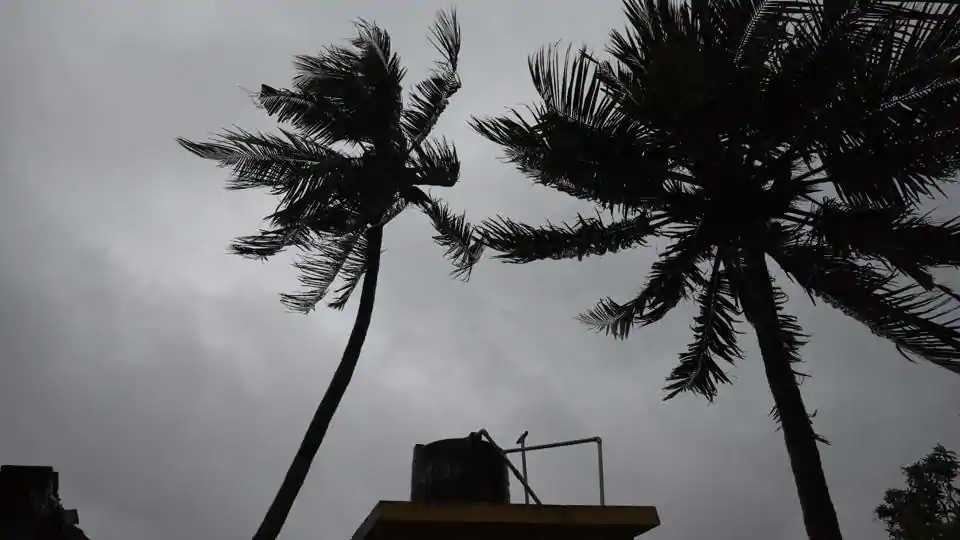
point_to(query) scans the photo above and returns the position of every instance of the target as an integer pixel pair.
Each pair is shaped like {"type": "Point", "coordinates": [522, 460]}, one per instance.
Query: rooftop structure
{"type": "Point", "coordinates": [460, 489]}
{"type": "Point", "coordinates": [30, 507]}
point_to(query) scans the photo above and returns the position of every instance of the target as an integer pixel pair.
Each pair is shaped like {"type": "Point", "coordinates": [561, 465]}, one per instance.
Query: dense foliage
{"type": "Point", "coordinates": [929, 508]}
{"type": "Point", "coordinates": [745, 134]}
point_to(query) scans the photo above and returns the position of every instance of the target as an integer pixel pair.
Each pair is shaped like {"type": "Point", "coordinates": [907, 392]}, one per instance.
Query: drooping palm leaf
{"type": "Point", "coordinates": [463, 245]}
{"type": "Point", "coordinates": [921, 323]}
{"type": "Point", "coordinates": [330, 258]}
{"type": "Point", "coordinates": [714, 337]}
{"type": "Point", "coordinates": [673, 278]}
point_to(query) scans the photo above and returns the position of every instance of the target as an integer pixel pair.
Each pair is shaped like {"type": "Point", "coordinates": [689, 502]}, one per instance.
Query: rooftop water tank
{"type": "Point", "coordinates": [467, 470]}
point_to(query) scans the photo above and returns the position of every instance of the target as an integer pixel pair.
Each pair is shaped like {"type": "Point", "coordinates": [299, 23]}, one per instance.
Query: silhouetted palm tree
{"type": "Point", "coordinates": [351, 164]}
{"type": "Point", "coordinates": [743, 132]}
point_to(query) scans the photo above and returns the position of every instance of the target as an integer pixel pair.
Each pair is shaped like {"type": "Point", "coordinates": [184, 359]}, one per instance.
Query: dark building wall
{"type": "Point", "coordinates": [30, 506]}
{"type": "Point", "coordinates": [24, 490]}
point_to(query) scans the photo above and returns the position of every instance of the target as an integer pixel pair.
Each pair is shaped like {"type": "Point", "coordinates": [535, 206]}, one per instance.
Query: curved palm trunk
{"type": "Point", "coordinates": [297, 473]}
{"type": "Point", "coordinates": [819, 515]}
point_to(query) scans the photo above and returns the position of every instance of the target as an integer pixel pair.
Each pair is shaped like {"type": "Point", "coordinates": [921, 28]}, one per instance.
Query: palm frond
{"type": "Point", "coordinates": [613, 318]}
{"type": "Point", "coordinates": [463, 244]}
{"type": "Point", "coordinates": [714, 337]}
{"type": "Point", "coordinates": [385, 71]}
{"type": "Point", "coordinates": [672, 279]}
{"type": "Point", "coordinates": [677, 62]}
{"type": "Point", "coordinates": [764, 30]}
{"type": "Point", "coordinates": [921, 323]}
{"type": "Point", "coordinates": [435, 163]}
{"type": "Point", "coordinates": [270, 242]}
{"type": "Point", "coordinates": [430, 97]}
{"type": "Point", "coordinates": [886, 131]}
{"type": "Point", "coordinates": [521, 243]}
{"type": "Point", "coordinates": [352, 273]}
{"type": "Point", "coordinates": [871, 11]}
{"type": "Point", "coordinates": [888, 169]}
{"type": "Point", "coordinates": [332, 257]}
{"type": "Point", "coordinates": [290, 165]}
{"type": "Point", "coordinates": [524, 146]}
{"type": "Point", "coordinates": [580, 161]}
{"type": "Point", "coordinates": [577, 141]}
{"type": "Point", "coordinates": [583, 120]}
{"type": "Point", "coordinates": [346, 94]}
{"type": "Point", "coordinates": [569, 88]}
{"type": "Point", "coordinates": [834, 87]}
{"type": "Point", "coordinates": [312, 116]}
{"type": "Point", "coordinates": [308, 177]}
{"type": "Point", "coordinates": [318, 214]}
{"type": "Point", "coordinates": [895, 236]}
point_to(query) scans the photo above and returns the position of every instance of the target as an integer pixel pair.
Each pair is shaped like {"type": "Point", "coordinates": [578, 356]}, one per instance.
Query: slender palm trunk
{"type": "Point", "coordinates": [819, 515]}
{"type": "Point", "coordinates": [297, 473]}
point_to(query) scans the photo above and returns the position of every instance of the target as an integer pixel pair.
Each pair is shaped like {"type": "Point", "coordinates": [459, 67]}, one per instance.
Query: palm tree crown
{"type": "Point", "coordinates": [737, 127]}
{"type": "Point", "coordinates": [745, 130]}
{"type": "Point", "coordinates": [353, 160]}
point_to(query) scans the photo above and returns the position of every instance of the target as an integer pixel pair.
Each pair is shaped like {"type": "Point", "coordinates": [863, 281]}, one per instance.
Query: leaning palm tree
{"type": "Point", "coordinates": [748, 132]}
{"type": "Point", "coordinates": [352, 162]}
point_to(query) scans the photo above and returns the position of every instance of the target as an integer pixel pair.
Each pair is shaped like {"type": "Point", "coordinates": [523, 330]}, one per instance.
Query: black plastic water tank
{"type": "Point", "coordinates": [467, 470]}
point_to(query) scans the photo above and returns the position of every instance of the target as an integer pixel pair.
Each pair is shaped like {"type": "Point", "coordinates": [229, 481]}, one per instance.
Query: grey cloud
{"type": "Point", "coordinates": [164, 380]}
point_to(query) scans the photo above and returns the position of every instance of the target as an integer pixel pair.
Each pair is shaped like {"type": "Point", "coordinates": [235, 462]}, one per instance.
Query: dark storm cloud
{"type": "Point", "coordinates": [166, 383]}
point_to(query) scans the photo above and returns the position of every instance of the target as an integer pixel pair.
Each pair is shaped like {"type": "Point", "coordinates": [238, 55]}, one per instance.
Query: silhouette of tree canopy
{"type": "Point", "coordinates": [744, 133]}
{"type": "Point", "coordinates": [352, 156]}
{"type": "Point", "coordinates": [929, 509]}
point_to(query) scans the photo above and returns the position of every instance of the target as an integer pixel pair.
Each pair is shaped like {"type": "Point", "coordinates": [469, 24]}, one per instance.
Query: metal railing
{"type": "Point", "coordinates": [528, 491]}
{"type": "Point", "coordinates": [523, 449]}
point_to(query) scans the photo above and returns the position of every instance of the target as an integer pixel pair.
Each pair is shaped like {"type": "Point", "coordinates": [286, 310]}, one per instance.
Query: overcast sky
{"type": "Point", "coordinates": [164, 380]}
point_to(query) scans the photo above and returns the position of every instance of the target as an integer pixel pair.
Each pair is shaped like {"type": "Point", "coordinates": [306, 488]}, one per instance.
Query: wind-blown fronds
{"type": "Point", "coordinates": [521, 243]}
{"type": "Point", "coordinates": [435, 163]}
{"type": "Point", "coordinates": [805, 132]}
{"type": "Point", "coordinates": [673, 278]}
{"type": "Point", "coordinates": [714, 337]}
{"type": "Point", "coordinates": [349, 94]}
{"type": "Point", "coordinates": [708, 108]}
{"type": "Point", "coordinates": [330, 258]}
{"type": "Point", "coordinates": [327, 196]}
{"type": "Point", "coordinates": [430, 98]}
{"type": "Point", "coordinates": [921, 323]}
{"type": "Point", "coordinates": [454, 233]}
{"type": "Point", "coordinates": [909, 241]}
